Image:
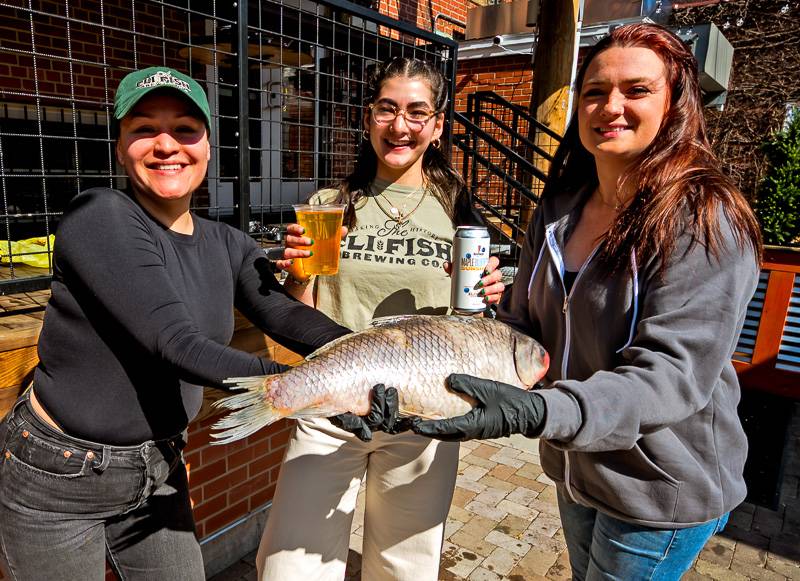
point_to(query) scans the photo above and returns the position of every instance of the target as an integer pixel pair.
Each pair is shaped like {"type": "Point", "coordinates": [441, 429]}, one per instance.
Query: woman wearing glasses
{"type": "Point", "coordinates": [403, 203]}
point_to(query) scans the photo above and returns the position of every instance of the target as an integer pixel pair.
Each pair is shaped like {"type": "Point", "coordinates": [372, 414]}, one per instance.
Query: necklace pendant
{"type": "Point", "coordinates": [394, 212]}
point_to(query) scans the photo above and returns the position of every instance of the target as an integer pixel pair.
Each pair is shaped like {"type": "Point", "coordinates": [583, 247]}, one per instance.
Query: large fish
{"type": "Point", "coordinates": [413, 353]}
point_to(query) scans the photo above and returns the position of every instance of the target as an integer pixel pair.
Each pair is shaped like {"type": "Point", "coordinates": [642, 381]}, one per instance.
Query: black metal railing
{"type": "Point", "coordinates": [504, 156]}
{"type": "Point", "coordinates": [285, 80]}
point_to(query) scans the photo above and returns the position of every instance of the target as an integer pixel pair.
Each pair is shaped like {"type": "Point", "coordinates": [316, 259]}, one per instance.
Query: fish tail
{"type": "Point", "coordinates": [253, 409]}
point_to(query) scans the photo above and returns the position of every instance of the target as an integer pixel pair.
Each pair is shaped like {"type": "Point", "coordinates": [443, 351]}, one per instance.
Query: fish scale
{"type": "Point", "coordinates": [413, 353]}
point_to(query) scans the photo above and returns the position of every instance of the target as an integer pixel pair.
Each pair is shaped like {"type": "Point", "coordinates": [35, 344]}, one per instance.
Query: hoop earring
{"type": "Point", "coordinates": [365, 135]}
{"type": "Point", "coordinates": [437, 143]}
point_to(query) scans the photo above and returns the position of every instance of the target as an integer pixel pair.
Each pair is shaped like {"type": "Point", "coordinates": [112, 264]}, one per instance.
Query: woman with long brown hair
{"type": "Point", "coordinates": [404, 202]}
{"type": "Point", "coordinates": [635, 276]}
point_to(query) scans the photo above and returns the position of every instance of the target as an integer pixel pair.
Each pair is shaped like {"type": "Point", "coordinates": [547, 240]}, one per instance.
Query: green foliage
{"type": "Point", "coordinates": [778, 201]}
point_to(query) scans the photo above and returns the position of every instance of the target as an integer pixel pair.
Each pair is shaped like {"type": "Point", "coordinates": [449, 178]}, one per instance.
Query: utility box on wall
{"type": "Point", "coordinates": [491, 20]}
{"type": "Point", "coordinates": [714, 54]}
{"type": "Point", "coordinates": [596, 11]}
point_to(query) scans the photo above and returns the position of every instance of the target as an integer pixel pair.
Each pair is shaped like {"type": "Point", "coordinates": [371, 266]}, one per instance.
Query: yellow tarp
{"type": "Point", "coordinates": [32, 251]}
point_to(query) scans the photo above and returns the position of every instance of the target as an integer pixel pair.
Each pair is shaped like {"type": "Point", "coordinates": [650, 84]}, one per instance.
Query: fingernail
{"type": "Point", "coordinates": [291, 262]}
{"type": "Point", "coordinates": [312, 242]}
{"type": "Point", "coordinates": [480, 284]}
{"type": "Point", "coordinates": [485, 273]}
{"type": "Point", "coordinates": [481, 292]}
{"type": "Point", "coordinates": [310, 253]}
{"type": "Point", "coordinates": [302, 230]}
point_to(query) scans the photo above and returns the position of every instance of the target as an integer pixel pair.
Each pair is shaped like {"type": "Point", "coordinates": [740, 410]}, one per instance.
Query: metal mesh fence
{"type": "Point", "coordinates": [285, 81]}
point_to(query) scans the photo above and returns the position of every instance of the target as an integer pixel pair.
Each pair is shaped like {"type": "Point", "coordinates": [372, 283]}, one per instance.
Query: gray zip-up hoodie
{"type": "Point", "coordinates": [641, 394]}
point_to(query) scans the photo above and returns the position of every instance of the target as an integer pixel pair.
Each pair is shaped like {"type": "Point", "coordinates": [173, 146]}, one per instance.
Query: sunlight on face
{"type": "Point", "coordinates": [622, 104]}
{"type": "Point", "coordinates": [398, 144]}
{"type": "Point", "coordinates": [164, 148]}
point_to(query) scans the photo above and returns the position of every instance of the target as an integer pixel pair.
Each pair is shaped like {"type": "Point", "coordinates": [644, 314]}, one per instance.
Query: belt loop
{"type": "Point", "coordinates": [100, 468]}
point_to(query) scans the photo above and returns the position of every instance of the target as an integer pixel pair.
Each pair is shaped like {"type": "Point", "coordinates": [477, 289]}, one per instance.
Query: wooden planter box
{"type": "Point", "coordinates": [767, 357]}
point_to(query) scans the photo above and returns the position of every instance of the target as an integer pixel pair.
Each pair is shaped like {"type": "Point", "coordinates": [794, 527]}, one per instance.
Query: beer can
{"type": "Point", "coordinates": [470, 257]}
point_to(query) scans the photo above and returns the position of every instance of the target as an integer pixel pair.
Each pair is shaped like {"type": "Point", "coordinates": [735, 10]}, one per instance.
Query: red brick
{"type": "Point", "coordinates": [224, 483]}
{"type": "Point", "coordinates": [199, 438]}
{"type": "Point", "coordinates": [247, 488]}
{"type": "Point", "coordinates": [242, 457]}
{"type": "Point", "coordinates": [259, 436]}
{"type": "Point", "coordinates": [226, 517]}
{"type": "Point", "coordinates": [262, 465]}
{"type": "Point", "coordinates": [280, 439]}
{"type": "Point", "coordinates": [261, 497]}
{"type": "Point", "coordinates": [210, 507]}
{"type": "Point", "coordinates": [93, 92]}
{"type": "Point", "coordinates": [192, 457]}
{"type": "Point", "coordinates": [210, 454]}
{"type": "Point", "coordinates": [208, 472]}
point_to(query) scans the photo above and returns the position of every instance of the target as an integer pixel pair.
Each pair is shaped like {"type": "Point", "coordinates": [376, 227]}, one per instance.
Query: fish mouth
{"type": "Point", "coordinates": [531, 360]}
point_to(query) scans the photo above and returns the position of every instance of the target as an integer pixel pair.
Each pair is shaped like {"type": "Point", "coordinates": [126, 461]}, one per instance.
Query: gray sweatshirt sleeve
{"type": "Point", "coordinates": [690, 322]}
{"type": "Point", "coordinates": [513, 308]}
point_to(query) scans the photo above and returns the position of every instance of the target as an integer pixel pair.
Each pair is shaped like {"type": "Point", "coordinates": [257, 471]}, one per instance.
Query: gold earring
{"type": "Point", "coordinates": [437, 143]}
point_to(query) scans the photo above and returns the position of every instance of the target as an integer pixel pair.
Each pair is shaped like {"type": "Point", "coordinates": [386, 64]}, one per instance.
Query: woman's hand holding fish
{"type": "Point", "coordinates": [490, 285]}
{"type": "Point", "coordinates": [502, 410]}
{"type": "Point", "coordinates": [383, 415]}
{"type": "Point", "coordinates": [294, 239]}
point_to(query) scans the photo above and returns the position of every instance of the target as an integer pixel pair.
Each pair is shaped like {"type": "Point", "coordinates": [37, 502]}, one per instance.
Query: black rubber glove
{"type": "Point", "coordinates": [383, 416]}
{"type": "Point", "coordinates": [502, 410]}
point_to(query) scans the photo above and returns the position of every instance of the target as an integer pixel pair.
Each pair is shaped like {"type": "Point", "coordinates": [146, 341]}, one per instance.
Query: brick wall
{"type": "Point", "coordinates": [510, 77]}
{"type": "Point", "coordinates": [422, 14]}
{"type": "Point", "coordinates": [59, 36]}
{"type": "Point", "coordinates": [229, 481]}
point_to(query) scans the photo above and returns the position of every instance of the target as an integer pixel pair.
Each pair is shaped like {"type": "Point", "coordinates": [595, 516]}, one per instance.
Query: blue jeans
{"type": "Point", "coordinates": [602, 547]}
{"type": "Point", "coordinates": [66, 504]}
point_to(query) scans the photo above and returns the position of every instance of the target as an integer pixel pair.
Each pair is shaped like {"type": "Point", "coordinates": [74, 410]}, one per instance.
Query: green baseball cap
{"type": "Point", "coordinates": [139, 83]}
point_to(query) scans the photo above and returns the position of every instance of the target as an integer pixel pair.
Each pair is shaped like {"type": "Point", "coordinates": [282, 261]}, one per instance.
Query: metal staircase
{"type": "Point", "coordinates": [503, 153]}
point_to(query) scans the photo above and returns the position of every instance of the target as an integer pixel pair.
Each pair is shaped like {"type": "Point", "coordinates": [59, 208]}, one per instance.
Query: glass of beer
{"type": "Point", "coordinates": [323, 224]}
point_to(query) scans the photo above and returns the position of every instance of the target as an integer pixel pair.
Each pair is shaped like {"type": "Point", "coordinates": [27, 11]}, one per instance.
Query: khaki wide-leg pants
{"type": "Point", "coordinates": [409, 488]}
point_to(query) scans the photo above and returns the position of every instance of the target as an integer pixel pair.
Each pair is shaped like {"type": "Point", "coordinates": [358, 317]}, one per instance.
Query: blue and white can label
{"type": "Point", "coordinates": [470, 257]}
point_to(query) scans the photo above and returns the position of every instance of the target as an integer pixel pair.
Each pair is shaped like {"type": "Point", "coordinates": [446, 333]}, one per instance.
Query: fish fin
{"type": "Point", "coordinates": [315, 411]}
{"type": "Point", "coordinates": [391, 320]}
{"type": "Point", "coordinates": [404, 412]}
{"type": "Point", "coordinates": [329, 345]}
{"type": "Point", "coordinates": [253, 409]}
{"type": "Point", "coordinates": [384, 321]}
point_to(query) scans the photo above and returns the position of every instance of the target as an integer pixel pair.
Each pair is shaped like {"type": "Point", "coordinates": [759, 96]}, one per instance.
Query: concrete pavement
{"type": "Point", "coordinates": [504, 525]}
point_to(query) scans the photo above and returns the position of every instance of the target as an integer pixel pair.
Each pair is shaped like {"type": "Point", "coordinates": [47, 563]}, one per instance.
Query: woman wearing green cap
{"type": "Point", "coordinates": [140, 316]}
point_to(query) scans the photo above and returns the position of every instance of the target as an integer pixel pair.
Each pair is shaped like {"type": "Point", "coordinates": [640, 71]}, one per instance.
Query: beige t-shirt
{"type": "Point", "coordinates": [389, 268]}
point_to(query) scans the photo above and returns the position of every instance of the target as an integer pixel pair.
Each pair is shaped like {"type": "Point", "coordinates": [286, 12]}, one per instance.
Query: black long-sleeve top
{"type": "Point", "coordinates": [140, 315]}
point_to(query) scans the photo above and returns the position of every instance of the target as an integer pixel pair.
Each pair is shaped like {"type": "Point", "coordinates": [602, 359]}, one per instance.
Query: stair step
{"type": "Point", "coordinates": [498, 224]}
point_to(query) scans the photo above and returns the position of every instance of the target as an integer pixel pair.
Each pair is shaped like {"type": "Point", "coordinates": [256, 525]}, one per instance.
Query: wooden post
{"type": "Point", "coordinates": [552, 75]}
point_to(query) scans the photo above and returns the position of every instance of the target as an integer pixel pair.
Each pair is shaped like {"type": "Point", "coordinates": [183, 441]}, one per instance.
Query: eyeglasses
{"type": "Point", "coordinates": [416, 117]}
